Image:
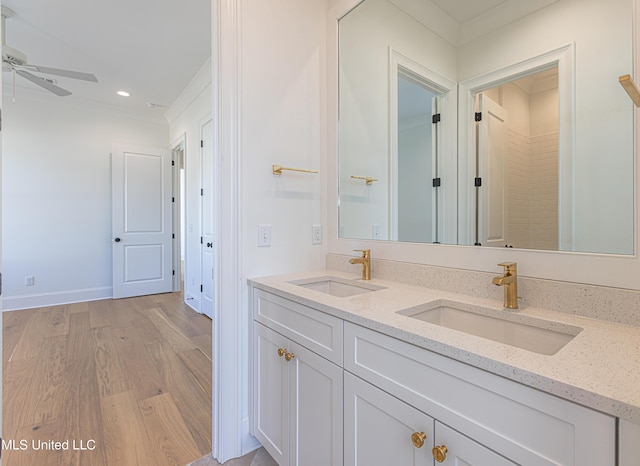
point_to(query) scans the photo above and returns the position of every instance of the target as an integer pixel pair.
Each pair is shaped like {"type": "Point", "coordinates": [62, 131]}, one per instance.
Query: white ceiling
{"type": "Point", "coordinates": [150, 48]}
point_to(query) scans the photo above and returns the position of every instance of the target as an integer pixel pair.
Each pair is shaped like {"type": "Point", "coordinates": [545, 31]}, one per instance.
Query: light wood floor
{"type": "Point", "coordinates": [133, 375]}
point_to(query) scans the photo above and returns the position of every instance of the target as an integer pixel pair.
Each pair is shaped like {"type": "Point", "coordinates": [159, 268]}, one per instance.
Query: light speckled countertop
{"type": "Point", "coordinates": [599, 368]}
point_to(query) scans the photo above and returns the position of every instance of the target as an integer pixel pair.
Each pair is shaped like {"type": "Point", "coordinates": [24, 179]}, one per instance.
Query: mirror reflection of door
{"type": "Point", "coordinates": [417, 161]}
{"type": "Point", "coordinates": [518, 200]}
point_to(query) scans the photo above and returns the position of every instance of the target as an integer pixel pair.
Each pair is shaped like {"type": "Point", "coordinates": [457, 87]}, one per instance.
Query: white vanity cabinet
{"type": "Point", "coordinates": [297, 400]}
{"type": "Point", "coordinates": [380, 429]}
{"type": "Point", "coordinates": [349, 389]}
{"type": "Point", "coordinates": [519, 423]}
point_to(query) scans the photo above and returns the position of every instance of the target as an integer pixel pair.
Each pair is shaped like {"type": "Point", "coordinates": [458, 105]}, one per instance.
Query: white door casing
{"type": "Point", "coordinates": [207, 243]}
{"type": "Point", "coordinates": [141, 220]}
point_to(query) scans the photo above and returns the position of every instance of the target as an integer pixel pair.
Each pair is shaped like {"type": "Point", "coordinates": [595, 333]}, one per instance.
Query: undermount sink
{"type": "Point", "coordinates": [336, 286]}
{"type": "Point", "coordinates": [529, 333]}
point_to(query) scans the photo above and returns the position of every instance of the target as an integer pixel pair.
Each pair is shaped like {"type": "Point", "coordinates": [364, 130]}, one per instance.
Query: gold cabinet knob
{"type": "Point", "coordinates": [289, 356]}
{"type": "Point", "coordinates": [439, 453]}
{"type": "Point", "coordinates": [282, 352]}
{"type": "Point", "coordinates": [418, 439]}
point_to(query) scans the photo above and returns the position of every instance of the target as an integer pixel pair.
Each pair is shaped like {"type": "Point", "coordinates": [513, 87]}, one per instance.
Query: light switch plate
{"type": "Point", "coordinates": [264, 236]}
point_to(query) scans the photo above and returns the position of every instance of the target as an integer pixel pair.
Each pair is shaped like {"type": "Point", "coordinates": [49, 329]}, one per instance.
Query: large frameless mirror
{"type": "Point", "coordinates": [495, 124]}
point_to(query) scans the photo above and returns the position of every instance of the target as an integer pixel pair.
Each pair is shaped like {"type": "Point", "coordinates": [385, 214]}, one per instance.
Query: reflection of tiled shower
{"type": "Point", "coordinates": [532, 191]}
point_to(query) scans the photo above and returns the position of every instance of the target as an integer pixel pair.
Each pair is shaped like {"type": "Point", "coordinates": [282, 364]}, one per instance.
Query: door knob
{"type": "Point", "coordinates": [117, 240]}
{"type": "Point", "coordinates": [440, 453]}
{"type": "Point", "coordinates": [209, 245]}
{"type": "Point", "coordinates": [418, 439]}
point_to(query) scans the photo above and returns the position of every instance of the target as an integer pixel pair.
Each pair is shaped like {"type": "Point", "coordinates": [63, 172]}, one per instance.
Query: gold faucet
{"type": "Point", "coordinates": [509, 279]}
{"type": "Point", "coordinates": [365, 260]}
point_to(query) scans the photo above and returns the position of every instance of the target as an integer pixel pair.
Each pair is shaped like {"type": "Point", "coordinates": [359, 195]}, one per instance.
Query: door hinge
{"type": "Point", "coordinates": [435, 118]}
{"type": "Point", "coordinates": [478, 116]}
{"type": "Point", "coordinates": [173, 163]}
{"type": "Point", "coordinates": [437, 182]}
{"type": "Point", "coordinates": [201, 143]}
{"type": "Point", "coordinates": [174, 272]}
{"type": "Point", "coordinates": [173, 199]}
{"type": "Point", "coordinates": [201, 288]}
{"type": "Point", "coordinates": [201, 240]}
{"type": "Point", "coordinates": [173, 235]}
{"type": "Point", "coordinates": [201, 192]}
{"type": "Point", "coordinates": [477, 182]}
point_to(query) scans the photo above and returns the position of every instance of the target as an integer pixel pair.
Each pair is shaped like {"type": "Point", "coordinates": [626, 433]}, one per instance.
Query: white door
{"type": "Point", "coordinates": [141, 221]}
{"type": "Point", "coordinates": [379, 428]}
{"type": "Point", "coordinates": [458, 450]}
{"type": "Point", "coordinates": [315, 409]}
{"type": "Point", "coordinates": [271, 393]}
{"type": "Point", "coordinates": [492, 144]}
{"type": "Point", "coordinates": [207, 246]}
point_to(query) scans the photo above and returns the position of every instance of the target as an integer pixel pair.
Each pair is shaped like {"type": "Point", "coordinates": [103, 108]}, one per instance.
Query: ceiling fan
{"type": "Point", "coordinates": [16, 61]}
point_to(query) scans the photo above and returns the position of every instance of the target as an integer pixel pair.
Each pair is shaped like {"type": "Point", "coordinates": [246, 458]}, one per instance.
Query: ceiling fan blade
{"type": "Point", "coordinates": [43, 83]}
{"type": "Point", "coordinates": [65, 73]}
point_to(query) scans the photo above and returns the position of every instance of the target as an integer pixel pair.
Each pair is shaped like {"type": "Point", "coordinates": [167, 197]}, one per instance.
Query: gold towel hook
{"type": "Point", "coordinates": [631, 88]}
{"type": "Point", "coordinates": [368, 180]}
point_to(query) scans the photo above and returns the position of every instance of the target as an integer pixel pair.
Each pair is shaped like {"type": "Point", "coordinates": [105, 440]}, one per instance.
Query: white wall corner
{"type": "Point", "coordinates": [190, 93]}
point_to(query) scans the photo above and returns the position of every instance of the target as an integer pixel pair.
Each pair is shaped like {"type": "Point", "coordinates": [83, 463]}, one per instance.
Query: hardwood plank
{"type": "Point", "coordinates": [83, 420]}
{"type": "Point", "coordinates": [139, 366]}
{"type": "Point", "coordinates": [77, 307]}
{"type": "Point", "coordinates": [99, 313]}
{"type": "Point", "coordinates": [125, 437]}
{"type": "Point", "coordinates": [187, 325]}
{"type": "Point", "coordinates": [58, 321]}
{"type": "Point", "coordinates": [35, 331]}
{"type": "Point", "coordinates": [170, 332]}
{"type": "Point", "coordinates": [167, 431]}
{"type": "Point", "coordinates": [204, 343]}
{"type": "Point", "coordinates": [16, 321]}
{"type": "Point", "coordinates": [188, 394]}
{"type": "Point", "coordinates": [109, 365]}
{"type": "Point", "coordinates": [48, 383]}
{"type": "Point", "coordinates": [199, 365]}
{"type": "Point", "coordinates": [79, 343]}
{"type": "Point", "coordinates": [16, 380]}
{"type": "Point", "coordinates": [147, 332]}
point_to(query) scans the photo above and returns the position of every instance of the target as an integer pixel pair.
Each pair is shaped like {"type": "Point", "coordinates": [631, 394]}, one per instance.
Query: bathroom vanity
{"type": "Point", "coordinates": [379, 372]}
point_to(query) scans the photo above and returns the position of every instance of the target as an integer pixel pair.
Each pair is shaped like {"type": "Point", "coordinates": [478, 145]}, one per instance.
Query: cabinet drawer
{"type": "Point", "coordinates": [528, 426]}
{"type": "Point", "coordinates": [308, 327]}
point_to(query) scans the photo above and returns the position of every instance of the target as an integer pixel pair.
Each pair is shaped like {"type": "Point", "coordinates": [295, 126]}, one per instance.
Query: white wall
{"type": "Point", "coordinates": [282, 122]}
{"type": "Point", "coordinates": [56, 207]}
{"type": "Point", "coordinates": [190, 111]}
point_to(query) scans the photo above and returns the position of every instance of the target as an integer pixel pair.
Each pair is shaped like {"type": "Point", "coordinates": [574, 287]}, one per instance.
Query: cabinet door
{"type": "Point", "coordinates": [271, 393]}
{"type": "Point", "coordinates": [315, 387]}
{"type": "Point", "coordinates": [462, 451]}
{"type": "Point", "coordinates": [379, 428]}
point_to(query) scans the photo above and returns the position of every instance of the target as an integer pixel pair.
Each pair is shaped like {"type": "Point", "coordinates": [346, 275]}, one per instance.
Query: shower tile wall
{"type": "Point", "coordinates": [532, 191]}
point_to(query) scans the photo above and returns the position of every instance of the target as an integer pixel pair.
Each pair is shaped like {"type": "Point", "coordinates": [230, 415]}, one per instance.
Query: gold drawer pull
{"type": "Point", "coordinates": [439, 453]}
{"type": "Point", "coordinates": [282, 352]}
{"type": "Point", "coordinates": [289, 356]}
{"type": "Point", "coordinates": [418, 439]}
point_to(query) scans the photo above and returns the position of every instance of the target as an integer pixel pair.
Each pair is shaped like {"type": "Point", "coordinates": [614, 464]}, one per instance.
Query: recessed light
{"type": "Point", "coordinates": [123, 93]}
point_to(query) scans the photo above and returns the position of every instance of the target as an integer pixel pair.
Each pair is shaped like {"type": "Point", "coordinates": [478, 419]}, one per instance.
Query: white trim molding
{"type": "Point", "coordinates": [30, 301]}
{"type": "Point", "coordinates": [226, 79]}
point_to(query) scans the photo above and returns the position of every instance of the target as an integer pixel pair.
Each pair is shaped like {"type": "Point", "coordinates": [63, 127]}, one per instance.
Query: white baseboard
{"type": "Point", "coordinates": [249, 442]}
{"type": "Point", "coordinates": [14, 303]}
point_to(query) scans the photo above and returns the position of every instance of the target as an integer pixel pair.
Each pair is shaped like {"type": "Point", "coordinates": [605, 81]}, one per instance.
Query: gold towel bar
{"type": "Point", "coordinates": [367, 179]}
{"type": "Point", "coordinates": [277, 170]}
{"type": "Point", "coordinates": [631, 88]}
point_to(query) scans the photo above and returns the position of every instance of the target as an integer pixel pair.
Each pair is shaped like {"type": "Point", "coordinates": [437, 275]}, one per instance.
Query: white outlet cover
{"type": "Point", "coordinates": [316, 237]}
{"type": "Point", "coordinates": [376, 231]}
